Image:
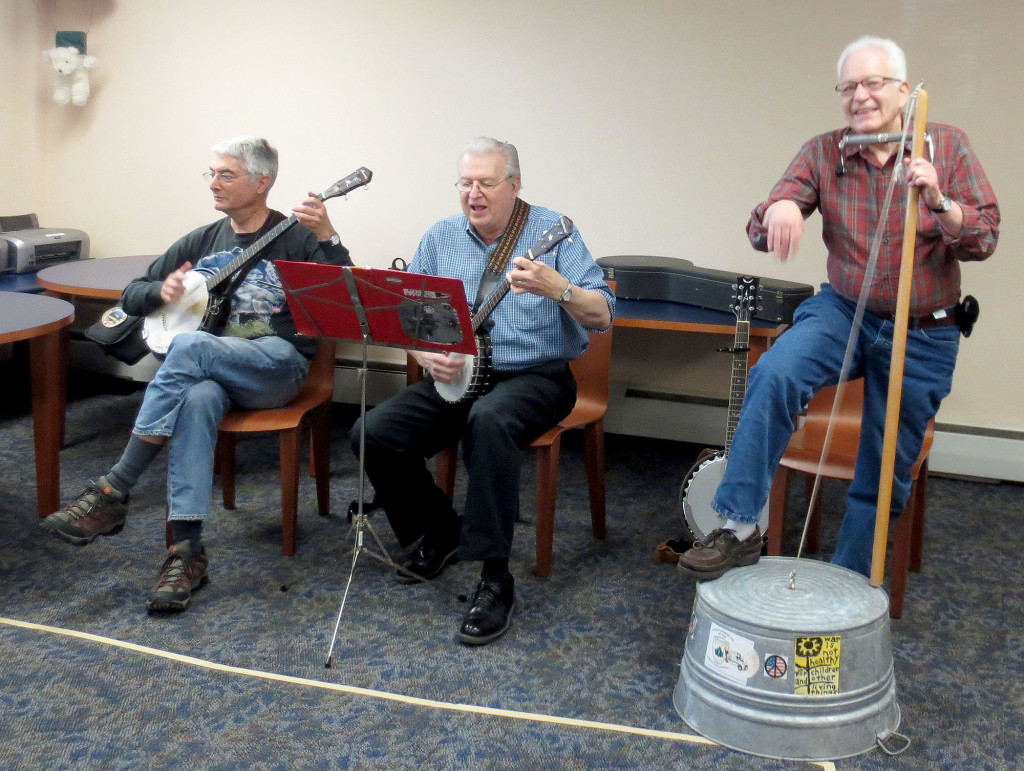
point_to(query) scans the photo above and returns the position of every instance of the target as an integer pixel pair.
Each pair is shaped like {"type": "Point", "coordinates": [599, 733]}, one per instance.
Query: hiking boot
{"type": "Point", "coordinates": [182, 573]}
{"type": "Point", "coordinates": [100, 510]}
{"type": "Point", "coordinates": [719, 552]}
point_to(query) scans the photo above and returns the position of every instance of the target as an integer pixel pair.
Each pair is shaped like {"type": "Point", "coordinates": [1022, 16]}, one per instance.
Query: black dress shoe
{"type": "Point", "coordinates": [431, 557]}
{"type": "Point", "coordinates": [490, 613]}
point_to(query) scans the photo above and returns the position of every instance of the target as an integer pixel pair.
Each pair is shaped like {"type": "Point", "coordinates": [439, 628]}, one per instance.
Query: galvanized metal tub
{"type": "Point", "coordinates": [802, 673]}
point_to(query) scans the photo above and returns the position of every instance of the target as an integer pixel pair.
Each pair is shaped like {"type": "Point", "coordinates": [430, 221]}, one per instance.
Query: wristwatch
{"type": "Point", "coordinates": [567, 294]}
{"type": "Point", "coordinates": [334, 240]}
{"type": "Point", "coordinates": [944, 206]}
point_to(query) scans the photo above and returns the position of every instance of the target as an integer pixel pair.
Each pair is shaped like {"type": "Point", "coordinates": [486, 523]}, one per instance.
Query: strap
{"type": "Point", "coordinates": [243, 270]}
{"type": "Point", "coordinates": [499, 259]}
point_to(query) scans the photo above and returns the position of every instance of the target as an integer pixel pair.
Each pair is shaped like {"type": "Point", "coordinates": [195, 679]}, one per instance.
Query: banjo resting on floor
{"type": "Point", "coordinates": [473, 379]}
{"type": "Point", "coordinates": [702, 480]}
{"type": "Point", "coordinates": [203, 307]}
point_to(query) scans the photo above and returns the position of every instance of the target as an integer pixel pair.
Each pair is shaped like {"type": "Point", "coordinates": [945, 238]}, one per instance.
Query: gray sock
{"type": "Point", "coordinates": [190, 530]}
{"type": "Point", "coordinates": [137, 456]}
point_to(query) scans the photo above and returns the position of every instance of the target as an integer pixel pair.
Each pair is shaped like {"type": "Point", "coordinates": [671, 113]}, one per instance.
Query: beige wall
{"type": "Point", "coordinates": [656, 126]}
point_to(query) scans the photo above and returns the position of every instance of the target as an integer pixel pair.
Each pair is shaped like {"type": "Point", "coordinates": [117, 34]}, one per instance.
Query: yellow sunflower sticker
{"type": "Point", "coordinates": [816, 665]}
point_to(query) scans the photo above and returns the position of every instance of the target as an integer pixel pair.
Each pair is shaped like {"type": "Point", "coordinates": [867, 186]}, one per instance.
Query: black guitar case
{"type": "Point", "coordinates": [642, 277]}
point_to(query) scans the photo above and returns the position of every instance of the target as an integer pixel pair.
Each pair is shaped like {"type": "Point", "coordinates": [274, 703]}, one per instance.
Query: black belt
{"type": "Point", "coordinates": [940, 318]}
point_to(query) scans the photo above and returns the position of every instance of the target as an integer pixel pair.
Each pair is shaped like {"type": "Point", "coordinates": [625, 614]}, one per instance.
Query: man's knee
{"type": "Point", "coordinates": [206, 396]}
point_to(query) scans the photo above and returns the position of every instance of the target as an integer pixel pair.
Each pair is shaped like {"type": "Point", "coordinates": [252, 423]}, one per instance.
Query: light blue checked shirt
{"type": "Point", "coordinates": [528, 330]}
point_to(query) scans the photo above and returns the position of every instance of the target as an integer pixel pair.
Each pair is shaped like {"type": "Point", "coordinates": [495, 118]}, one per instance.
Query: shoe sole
{"type": "Point", "coordinates": [174, 606]}
{"type": "Point", "coordinates": [80, 540]}
{"type": "Point", "coordinates": [406, 576]}
{"type": "Point", "coordinates": [466, 639]}
{"type": "Point", "coordinates": [708, 575]}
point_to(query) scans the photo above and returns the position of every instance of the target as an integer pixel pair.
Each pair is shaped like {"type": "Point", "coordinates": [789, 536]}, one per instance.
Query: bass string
{"type": "Point", "coordinates": [869, 275]}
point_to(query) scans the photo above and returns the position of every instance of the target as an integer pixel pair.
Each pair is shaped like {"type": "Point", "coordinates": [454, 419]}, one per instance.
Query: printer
{"type": "Point", "coordinates": [25, 247]}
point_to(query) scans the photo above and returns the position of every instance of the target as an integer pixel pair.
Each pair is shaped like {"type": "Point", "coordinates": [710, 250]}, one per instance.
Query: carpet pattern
{"type": "Point", "coordinates": [599, 640]}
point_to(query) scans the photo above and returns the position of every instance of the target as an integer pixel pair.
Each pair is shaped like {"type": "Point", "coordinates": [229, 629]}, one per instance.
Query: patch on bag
{"type": "Point", "coordinates": [113, 317]}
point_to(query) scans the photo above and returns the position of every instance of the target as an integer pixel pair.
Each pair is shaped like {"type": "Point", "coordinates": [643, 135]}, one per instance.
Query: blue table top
{"type": "Point", "coordinates": [19, 282]}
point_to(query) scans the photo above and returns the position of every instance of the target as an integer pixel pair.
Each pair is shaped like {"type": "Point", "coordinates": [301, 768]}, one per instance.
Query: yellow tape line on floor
{"type": "Point", "coordinates": [355, 690]}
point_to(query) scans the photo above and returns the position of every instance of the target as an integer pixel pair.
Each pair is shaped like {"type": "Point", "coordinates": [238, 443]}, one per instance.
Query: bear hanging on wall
{"type": "Point", "coordinates": [72, 72]}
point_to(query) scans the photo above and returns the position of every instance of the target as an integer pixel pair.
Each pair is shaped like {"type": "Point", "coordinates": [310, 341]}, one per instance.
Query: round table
{"type": "Point", "coordinates": [100, 278]}
{"type": "Point", "coordinates": [41, 320]}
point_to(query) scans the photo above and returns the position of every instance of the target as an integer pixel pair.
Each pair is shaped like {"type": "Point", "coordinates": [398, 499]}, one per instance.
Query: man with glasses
{"type": "Point", "coordinates": [537, 330]}
{"type": "Point", "coordinates": [847, 183]}
{"type": "Point", "coordinates": [258, 363]}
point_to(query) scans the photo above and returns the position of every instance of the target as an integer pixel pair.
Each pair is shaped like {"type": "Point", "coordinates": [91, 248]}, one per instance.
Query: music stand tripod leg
{"type": "Point", "coordinates": [359, 521]}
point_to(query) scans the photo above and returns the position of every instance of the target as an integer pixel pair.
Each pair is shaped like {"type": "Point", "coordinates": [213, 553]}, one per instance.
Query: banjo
{"type": "Point", "coordinates": [202, 306]}
{"type": "Point", "coordinates": [702, 480]}
{"type": "Point", "coordinates": [474, 379]}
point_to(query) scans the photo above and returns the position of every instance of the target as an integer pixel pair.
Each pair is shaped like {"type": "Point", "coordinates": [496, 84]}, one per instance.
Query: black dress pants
{"type": "Point", "coordinates": [406, 430]}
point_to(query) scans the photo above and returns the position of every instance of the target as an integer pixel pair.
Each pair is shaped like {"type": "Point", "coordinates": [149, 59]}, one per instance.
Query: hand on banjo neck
{"type": "Point", "coordinates": [526, 277]}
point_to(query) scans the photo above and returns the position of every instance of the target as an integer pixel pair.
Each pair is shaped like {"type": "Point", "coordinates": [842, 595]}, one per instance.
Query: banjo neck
{"type": "Point", "coordinates": [551, 238]}
{"type": "Point", "coordinates": [358, 178]}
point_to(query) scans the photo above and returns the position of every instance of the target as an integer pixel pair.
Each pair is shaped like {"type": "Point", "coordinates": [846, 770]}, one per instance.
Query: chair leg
{"type": "Point", "coordinates": [445, 463]}
{"type": "Point", "coordinates": [902, 547]}
{"type": "Point", "coordinates": [777, 511]}
{"type": "Point", "coordinates": [918, 496]}
{"type": "Point", "coordinates": [289, 488]}
{"type": "Point", "coordinates": [593, 443]}
{"type": "Point", "coordinates": [320, 459]}
{"type": "Point", "coordinates": [547, 488]}
{"type": "Point", "coordinates": [225, 462]}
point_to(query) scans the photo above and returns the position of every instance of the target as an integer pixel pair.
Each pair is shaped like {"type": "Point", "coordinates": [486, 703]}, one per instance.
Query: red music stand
{"type": "Point", "coordinates": [391, 308]}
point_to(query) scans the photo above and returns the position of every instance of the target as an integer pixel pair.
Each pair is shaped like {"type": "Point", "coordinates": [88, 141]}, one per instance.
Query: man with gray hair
{"type": "Point", "coordinates": [536, 332]}
{"type": "Point", "coordinates": [846, 181]}
{"type": "Point", "coordinates": [257, 363]}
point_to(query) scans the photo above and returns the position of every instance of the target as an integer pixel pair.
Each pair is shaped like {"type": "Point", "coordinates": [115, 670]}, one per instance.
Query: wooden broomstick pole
{"type": "Point", "coordinates": [899, 349]}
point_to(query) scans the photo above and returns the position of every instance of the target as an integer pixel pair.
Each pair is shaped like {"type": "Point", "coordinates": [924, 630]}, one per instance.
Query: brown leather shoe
{"type": "Point", "coordinates": [719, 552]}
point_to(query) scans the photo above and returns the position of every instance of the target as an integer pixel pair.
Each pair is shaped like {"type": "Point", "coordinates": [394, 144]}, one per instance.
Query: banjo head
{"type": "Point", "coordinates": [457, 389]}
{"type": "Point", "coordinates": [695, 494]}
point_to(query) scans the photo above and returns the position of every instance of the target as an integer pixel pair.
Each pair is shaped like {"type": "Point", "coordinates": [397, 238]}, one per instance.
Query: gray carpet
{"type": "Point", "coordinates": [599, 641]}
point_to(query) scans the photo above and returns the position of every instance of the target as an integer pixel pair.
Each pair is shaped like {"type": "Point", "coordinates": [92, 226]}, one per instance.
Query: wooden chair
{"type": "Point", "coordinates": [803, 454]}
{"type": "Point", "coordinates": [309, 412]}
{"type": "Point", "coordinates": [591, 371]}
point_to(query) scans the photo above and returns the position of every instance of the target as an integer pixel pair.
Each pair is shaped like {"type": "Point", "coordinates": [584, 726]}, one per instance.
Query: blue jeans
{"type": "Point", "coordinates": [808, 357]}
{"type": "Point", "coordinates": [201, 378]}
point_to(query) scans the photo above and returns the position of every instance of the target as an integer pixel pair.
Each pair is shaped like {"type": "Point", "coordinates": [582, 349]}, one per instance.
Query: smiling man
{"type": "Point", "coordinates": [959, 222]}
{"type": "Point", "coordinates": [258, 362]}
{"type": "Point", "coordinates": [534, 333]}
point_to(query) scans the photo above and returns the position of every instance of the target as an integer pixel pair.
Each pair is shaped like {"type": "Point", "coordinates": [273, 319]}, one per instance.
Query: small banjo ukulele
{"type": "Point", "coordinates": [702, 480]}
{"type": "Point", "coordinates": [473, 379]}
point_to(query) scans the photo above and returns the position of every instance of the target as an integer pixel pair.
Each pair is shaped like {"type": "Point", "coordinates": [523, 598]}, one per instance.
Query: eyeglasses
{"type": "Point", "coordinates": [874, 84]}
{"type": "Point", "coordinates": [485, 185]}
{"type": "Point", "coordinates": [226, 177]}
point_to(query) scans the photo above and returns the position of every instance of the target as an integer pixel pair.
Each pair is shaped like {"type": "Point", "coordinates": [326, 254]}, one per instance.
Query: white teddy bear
{"type": "Point", "coordinates": [72, 70]}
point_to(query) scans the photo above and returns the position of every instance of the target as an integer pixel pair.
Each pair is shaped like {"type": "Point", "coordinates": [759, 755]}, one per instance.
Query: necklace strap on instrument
{"type": "Point", "coordinates": [514, 229]}
{"type": "Point", "coordinates": [499, 259]}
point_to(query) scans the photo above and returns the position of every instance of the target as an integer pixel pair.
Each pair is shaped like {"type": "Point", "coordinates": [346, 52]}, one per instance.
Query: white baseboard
{"type": "Point", "coordinates": [957, 450]}
{"type": "Point", "coordinates": [981, 453]}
